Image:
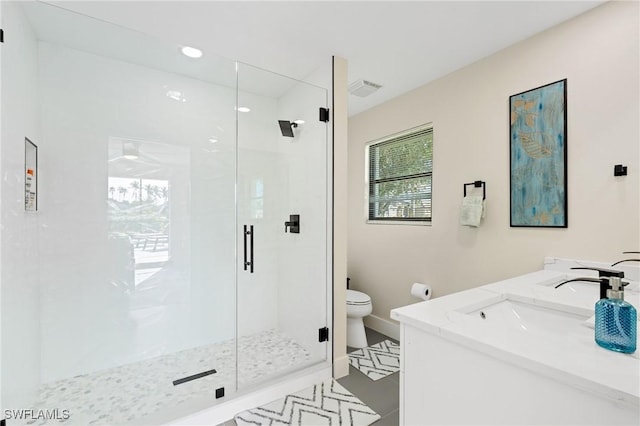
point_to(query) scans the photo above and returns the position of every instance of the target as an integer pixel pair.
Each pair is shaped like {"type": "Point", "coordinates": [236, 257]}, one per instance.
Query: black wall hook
{"type": "Point", "coordinates": [476, 184]}
{"type": "Point", "coordinates": [619, 170]}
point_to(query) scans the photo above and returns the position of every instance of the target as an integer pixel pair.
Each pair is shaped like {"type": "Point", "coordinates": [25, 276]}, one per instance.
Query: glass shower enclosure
{"type": "Point", "coordinates": [178, 256]}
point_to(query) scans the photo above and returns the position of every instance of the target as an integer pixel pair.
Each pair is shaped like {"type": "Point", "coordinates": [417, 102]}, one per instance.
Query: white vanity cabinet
{"type": "Point", "coordinates": [458, 369]}
{"type": "Point", "coordinates": [445, 383]}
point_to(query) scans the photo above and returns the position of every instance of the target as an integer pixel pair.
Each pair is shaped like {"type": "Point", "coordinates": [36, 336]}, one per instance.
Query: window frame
{"type": "Point", "coordinates": [367, 189]}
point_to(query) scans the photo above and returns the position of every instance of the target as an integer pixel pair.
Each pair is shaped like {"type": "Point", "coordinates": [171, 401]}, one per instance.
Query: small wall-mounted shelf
{"type": "Point", "coordinates": [30, 176]}
{"type": "Point", "coordinates": [476, 184]}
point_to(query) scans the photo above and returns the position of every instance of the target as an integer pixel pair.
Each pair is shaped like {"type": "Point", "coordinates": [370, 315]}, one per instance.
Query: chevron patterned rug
{"type": "Point", "coordinates": [327, 403]}
{"type": "Point", "coordinates": [377, 361]}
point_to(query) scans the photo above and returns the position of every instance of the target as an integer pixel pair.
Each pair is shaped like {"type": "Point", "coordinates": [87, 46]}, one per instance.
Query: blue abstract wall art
{"type": "Point", "coordinates": [538, 149]}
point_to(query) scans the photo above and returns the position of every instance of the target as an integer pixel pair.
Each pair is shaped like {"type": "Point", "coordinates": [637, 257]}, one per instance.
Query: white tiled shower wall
{"type": "Point", "coordinates": [19, 231]}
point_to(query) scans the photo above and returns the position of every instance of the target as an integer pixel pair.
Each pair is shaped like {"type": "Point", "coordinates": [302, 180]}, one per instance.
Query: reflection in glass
{"type": "Point", "coordinates": [139, 208]}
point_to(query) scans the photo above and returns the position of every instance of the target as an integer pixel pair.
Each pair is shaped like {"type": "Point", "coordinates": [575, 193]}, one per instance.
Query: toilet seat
{"type": "Point", "coordinates": [358, 304]}
{"type": "Point", "coordinates": [357, 298]}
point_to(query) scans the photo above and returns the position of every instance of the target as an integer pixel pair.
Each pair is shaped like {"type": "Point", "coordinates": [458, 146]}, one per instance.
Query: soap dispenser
{"type": "Point", "coordinates": [616, 320]}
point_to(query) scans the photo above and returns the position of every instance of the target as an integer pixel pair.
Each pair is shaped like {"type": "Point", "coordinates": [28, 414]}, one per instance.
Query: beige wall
{"type": "Point", "coordinates": [340, 103]}
{"type": "Point", "coordinates": [598, 53]}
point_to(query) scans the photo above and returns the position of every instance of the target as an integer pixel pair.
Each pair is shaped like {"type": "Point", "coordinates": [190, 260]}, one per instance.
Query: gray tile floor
{"type": "Point", "coordinates": [381, 395]}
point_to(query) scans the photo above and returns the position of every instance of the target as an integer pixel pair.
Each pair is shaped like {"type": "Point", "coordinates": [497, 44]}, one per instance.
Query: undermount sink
{"type": "Point", "coordinates": [590, 290]}
{"type": "Point", "coordinates": [577, 287]}
{"type": "Point", "coordinates": [574, 287]}
{"type": "Point", "coordinates": [511, 315]}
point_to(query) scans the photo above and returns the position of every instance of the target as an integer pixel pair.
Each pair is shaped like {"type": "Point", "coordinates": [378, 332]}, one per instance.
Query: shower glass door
{"type": "Point", "coordinates": [282, 275]}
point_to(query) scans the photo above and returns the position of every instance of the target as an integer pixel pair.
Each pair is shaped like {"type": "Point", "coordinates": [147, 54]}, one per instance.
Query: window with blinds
{"type": "Point", "coordinates": [399, 173]}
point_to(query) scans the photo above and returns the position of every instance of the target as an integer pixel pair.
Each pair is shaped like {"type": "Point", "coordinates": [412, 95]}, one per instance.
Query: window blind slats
{"type": "Point", "coordinates": [402, 157]}
{"type": "Point", "coordinates": [400, 171]}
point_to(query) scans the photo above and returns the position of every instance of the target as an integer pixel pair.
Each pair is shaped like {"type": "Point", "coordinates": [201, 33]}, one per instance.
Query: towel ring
{"type": "Point", "coordinates": [476, 184]}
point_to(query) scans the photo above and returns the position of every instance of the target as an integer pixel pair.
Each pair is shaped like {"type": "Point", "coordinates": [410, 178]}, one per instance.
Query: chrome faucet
{"type": "Point", "coordinates": [627, 260]}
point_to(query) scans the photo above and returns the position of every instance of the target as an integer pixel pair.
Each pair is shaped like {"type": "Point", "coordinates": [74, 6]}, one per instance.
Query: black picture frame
{"type": "Point", "coordinates": [538, 157]}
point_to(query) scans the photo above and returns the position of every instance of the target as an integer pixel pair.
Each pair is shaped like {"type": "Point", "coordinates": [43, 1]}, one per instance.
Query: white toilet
{"type": "Point", "coordinates": [358, 306]}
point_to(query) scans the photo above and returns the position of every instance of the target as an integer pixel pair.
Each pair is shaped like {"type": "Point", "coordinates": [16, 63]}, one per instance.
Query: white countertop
{"type": "Point", "coordinates": [575, 359]}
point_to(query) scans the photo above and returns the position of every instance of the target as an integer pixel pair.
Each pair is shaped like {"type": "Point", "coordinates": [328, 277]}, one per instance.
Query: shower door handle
{"type": "Point", "coordinates": [248, 232]}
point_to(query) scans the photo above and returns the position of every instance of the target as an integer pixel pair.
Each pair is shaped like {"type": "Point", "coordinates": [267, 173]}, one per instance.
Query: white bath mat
{"type": "Point", "coordinates": [377, 361]}
{"type": "Point", "coordinates": [327, 403]}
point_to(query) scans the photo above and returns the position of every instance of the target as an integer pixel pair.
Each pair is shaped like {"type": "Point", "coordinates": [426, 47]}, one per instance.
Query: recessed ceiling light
{"type": "Point", "coordinates": [299, 121]}
{"type": "Point", "coordinates": [191, 52]}
{"type": "Point", "coordinates": [212, 140]}
{"type": "Point", "coordinates": [244, 109]}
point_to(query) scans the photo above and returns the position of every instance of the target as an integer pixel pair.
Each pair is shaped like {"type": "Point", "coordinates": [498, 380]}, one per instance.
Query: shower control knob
{"type": "Point", "coordinates": [293, 225]}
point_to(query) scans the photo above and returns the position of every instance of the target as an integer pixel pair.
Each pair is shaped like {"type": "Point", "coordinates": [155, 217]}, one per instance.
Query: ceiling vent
{"type": "Point", "coordinates": [363, 88]}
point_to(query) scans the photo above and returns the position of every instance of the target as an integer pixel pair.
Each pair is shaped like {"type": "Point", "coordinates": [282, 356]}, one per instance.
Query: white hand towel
{"type": "Point", "coordinates": [472, 210]}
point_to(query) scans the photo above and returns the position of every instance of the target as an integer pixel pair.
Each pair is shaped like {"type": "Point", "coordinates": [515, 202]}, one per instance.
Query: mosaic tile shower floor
{"type": "Point", "coordinates": [123, 394]}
